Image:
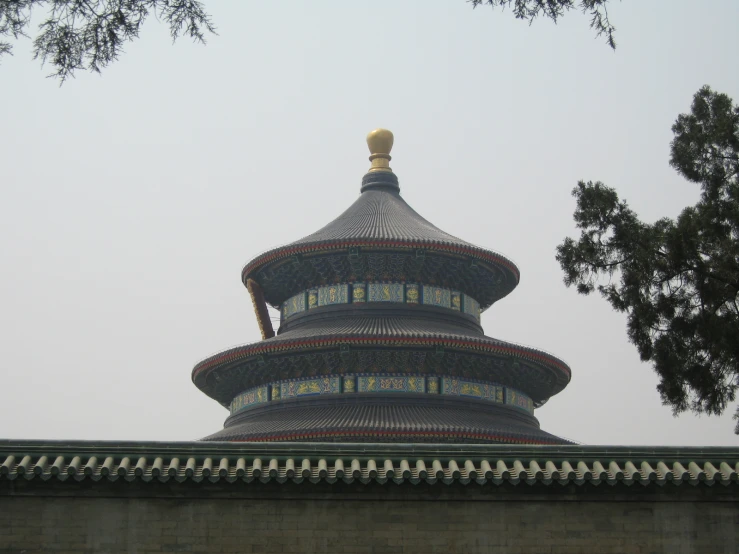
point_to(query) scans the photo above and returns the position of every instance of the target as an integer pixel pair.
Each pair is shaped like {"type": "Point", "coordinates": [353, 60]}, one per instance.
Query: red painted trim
{"type": "Point", "coordinates": [369, 433]}
{"type": "Point", "coordinates": [285, 252]}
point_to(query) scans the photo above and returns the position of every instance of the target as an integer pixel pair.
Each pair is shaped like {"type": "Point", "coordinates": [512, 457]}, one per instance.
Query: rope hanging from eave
{"type": "Point", "coordinates": [260, 309]}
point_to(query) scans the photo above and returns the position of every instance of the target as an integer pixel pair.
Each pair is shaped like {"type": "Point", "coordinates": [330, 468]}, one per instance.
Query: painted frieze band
{"type": "Point", "coordinates": [484, 391]}
{"type": "Point", "coordinates": [250, 398]}
{"type": "Point", "coordinates": [381, 383]}
{"type": "Point", "coordinates": [391, 383]}
{"type": "Point", "coordinates": [307, 387]}
{"type": "Point", "coordinates": [402, 293]}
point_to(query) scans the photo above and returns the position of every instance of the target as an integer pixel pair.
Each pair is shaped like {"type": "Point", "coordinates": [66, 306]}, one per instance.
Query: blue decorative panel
{"type": "Point", "coordinates": [385, 292]}
{"type": "Point", "coordinates": [391, 383]}
{"type": "Point", "coordinates": [310, 387]}
{"type": "Point", "coordinates": [437, 296]}
{"type": "Point", "coordinates": [412, 294]}
{"type": "Point", "coordinates": [367, 383]}
{"type": "Point", "coordinates": [252, 397]}
{"type": "Point", "coordinates": [359, 293]}
{"type": "Point", "coordinates": [294, 305]}
{"type": "Point", "coordinates": [381, 383]}
{"type": "Point", "coordinates": [333, 294]}
{"type": "Point", "coordinates": [459, 387]}
{"type": "Point", "coordinates": [515, 398]}
{"type": "Point", "coordinates": [471, 306]}
{"type": "Point", "coordinates": [312, 299]}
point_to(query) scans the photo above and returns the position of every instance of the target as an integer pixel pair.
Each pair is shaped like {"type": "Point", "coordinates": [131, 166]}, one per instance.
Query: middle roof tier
{"type": "Point", "coordinates": [381, 338]}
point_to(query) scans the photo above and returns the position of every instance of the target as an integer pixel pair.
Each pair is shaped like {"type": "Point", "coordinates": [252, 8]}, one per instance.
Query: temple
{"type": "Point", "coordinates": [378, 418]}
{"type": "Point", "coordinates": [380, 337]}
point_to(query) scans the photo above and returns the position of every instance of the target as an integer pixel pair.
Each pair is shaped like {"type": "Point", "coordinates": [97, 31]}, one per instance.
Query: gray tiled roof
{"type": "Point", "coordinates": [390, 327]}
{"type": "Point", "coordinates": [312, 463]}
{"type": "Point", "coordinates": [378, 214]}
{"type": "Point", "coordinates": [412, 419]}
{"type": "Point", "coordinates": [381, 219]}
{"type": "Point", "coordinates": [426, 332]}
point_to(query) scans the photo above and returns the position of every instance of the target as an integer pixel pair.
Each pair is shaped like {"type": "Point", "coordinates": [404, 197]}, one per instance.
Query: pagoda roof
{"type": "Point", "coordinates": [236, 464]}
{"type": "Point", "coordinates": [380, 292]}
{"type": "Point", "coordinates": [412, 419]}
{"type": "Point", "coordinates": [382, 214]}
{"type": "Point", "coordinates": [380, 219]}
{"type": "Point", "coordinates": [376, 331]}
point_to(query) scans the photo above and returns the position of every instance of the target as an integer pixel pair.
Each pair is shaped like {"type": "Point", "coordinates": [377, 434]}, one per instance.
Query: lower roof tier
{"type": "Point", "coordinates": [390, 419]}
{"type": "Point", "coordinates": [418, 344]}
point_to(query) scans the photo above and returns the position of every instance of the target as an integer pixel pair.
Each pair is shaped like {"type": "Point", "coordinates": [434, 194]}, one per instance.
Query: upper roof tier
{"type": "Point", "coordinates": [381, 238]}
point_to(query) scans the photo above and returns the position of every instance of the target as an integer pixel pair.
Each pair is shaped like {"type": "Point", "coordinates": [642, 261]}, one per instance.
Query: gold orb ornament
{"type": "Point", "coordinates": [380, 142]}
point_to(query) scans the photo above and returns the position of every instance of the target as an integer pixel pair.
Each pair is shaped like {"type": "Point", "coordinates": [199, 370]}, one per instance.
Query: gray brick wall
{"type": "Point", "coordinates": [505, 525]}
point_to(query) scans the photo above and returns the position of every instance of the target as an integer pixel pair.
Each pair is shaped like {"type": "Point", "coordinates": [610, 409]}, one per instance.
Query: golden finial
{"type": "Point", "coordinates": [380, 142]}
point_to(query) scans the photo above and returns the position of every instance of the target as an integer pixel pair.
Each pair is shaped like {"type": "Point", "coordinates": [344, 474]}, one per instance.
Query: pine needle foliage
{"type": "Point", "coordinates": [676, 279]}
{"type": "Point", "coordinates": [90, 34]}
{"type": "Point", "coordinates": [529, 10]}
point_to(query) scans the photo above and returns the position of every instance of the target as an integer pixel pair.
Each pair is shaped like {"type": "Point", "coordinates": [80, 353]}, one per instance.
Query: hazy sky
{"type": "Point", "coordinates": [131, 200]}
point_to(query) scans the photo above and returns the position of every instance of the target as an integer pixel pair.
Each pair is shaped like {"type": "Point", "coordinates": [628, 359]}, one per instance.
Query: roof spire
{"type": "Point", "coordinates": [380, 142]}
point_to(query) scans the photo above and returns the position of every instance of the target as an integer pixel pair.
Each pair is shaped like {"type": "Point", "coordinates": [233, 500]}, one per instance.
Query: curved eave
{"type": "Point", "coordinates": [265, 348]}
{"type": "Point", "coordinates": [388, 435]}
{"type": "Point", "coordinates": [371, 418]}
{"type": "Point", "coordinates": [283, 252]}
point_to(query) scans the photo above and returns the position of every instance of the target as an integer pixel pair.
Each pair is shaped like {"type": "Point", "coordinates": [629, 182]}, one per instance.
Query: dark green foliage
{"type": "Point", "coordinates": [89, 34]}
{"type": "Point", "coordinates": [678, 280]}
{"type": "Point", "coordinates": [554, 9]}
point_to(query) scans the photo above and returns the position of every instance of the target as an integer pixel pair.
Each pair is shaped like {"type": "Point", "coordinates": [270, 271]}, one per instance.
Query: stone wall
{"type": "Point", "coordinates": [389, 518]}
